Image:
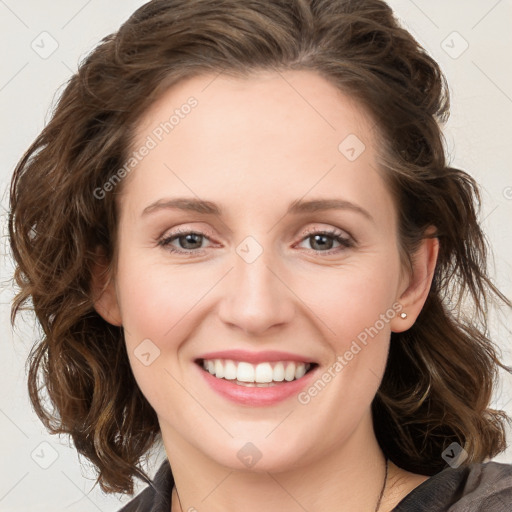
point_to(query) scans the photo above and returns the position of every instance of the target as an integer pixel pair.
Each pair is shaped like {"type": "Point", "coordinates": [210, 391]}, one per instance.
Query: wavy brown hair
{"type": "Point", "coordinates": [441, 372]}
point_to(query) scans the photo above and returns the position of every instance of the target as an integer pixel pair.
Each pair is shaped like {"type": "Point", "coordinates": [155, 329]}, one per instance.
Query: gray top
{"type": "Point", "coordinates": [485, 487]}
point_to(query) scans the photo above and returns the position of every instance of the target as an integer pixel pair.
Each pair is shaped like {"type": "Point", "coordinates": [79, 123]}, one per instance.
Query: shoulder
{"type": "Point", "coordinates": [157, 496]}
{"type": "Point", "coordinates": [490, 485]}
{"type": "Point", "coordinates": [474, 488]}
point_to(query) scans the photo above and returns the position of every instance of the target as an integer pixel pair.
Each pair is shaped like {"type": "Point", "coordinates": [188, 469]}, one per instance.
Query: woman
{"type": "Point", "coordinates": [258, 254]}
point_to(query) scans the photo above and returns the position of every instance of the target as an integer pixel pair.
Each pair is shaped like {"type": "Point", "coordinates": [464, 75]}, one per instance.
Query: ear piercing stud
{"type": "Point", "coordinates": [403, 315]}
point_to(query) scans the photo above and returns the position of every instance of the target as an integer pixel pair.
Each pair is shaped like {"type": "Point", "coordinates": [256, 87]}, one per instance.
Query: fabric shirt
{"type": "Point", "coordinates": [484, 487]}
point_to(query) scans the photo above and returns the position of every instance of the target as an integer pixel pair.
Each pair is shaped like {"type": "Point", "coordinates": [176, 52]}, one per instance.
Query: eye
{"type": "Point", "coordinates": [322, 241]}
{"type": "Point", "coordinates": [188, 241]}
{"type": "Point", "coordinates": [191, 242]}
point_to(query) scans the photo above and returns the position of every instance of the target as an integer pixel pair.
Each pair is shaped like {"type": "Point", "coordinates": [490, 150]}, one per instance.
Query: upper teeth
{"type": "Point", "coordinates": [262, 372]}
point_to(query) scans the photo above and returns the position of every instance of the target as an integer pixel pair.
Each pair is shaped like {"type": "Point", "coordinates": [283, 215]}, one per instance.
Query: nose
{"type": "Point", "coordinates": [256, 296]}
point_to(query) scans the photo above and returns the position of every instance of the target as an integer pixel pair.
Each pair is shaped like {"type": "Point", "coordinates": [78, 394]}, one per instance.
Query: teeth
{"type": "Point", "coordinates": [219, 369]}
{"type": "Point", "coordinates": [278, 374]}
{"type": "Point", "coordinates": [263, 373]}
{"type": "Point", "coordinates": [249, 374]}
{"type": "Point", "coordinates": [289, 373]}
{"type": "Point", "coordinates": [230, 370]}
{"type": "Point", "coordinates": [245, 372]}
{"type": "Point", "coordinates": [300, 371]}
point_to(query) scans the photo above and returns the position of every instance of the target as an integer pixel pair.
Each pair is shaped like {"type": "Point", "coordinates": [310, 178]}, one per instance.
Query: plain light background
{"type": "Point", "coordinates": [470, 39]}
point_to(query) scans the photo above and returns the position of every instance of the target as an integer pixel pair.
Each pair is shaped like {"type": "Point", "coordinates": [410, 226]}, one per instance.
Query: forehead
{"type": "Point", "coordinates": [292, 131]}
{"type": "Point", "coordinates": [254, 104]}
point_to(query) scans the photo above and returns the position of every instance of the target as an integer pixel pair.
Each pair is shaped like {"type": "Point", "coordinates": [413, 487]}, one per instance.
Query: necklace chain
{"type": "Point", "coordinates": [377, 507]}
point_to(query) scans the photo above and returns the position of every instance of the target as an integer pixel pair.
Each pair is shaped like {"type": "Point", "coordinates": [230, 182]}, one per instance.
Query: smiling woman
{"type": "Point", "coordinates": [287, 284]}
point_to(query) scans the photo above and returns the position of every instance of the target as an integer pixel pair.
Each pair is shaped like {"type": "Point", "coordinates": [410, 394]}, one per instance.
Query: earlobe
{"type": "Point", "coordinates": [103, 290]}
{"type": "Point", "coordinates": [414, 296]}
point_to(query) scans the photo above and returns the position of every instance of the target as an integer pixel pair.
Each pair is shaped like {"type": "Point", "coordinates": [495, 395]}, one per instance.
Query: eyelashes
{"type": "Point", "coordinates": [338, 236]}
{"type": "Point", "coordinates": [181, 235]}
{"type": "Point", "coordinates": [322, 237]}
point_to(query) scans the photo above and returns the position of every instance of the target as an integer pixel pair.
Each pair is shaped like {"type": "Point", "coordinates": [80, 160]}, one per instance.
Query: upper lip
{"type": "Point", "coordinates": [256, 357]}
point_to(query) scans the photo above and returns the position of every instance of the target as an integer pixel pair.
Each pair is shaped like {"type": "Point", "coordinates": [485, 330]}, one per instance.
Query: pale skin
{"type": "Point", "coordinates": [253, 146]}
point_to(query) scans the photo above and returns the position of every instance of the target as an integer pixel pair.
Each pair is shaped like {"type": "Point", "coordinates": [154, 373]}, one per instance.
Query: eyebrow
{"type": "Point", "coordinates": [295, 208]}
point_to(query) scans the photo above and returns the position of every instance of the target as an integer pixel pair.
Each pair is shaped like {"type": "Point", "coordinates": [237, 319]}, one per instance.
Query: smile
{"type": "Point", "coordinates": [256, 379]}
{"type": "Point", "coordinates": [263, 374]}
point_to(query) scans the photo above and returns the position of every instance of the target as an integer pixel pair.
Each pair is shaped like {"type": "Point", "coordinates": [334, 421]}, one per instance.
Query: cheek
{"type": "Point", "coordinates": [363, 308]}
{"type": "Point", "coordinates": [354, 299]}
{"type": "Point", "coordinates": [158, 314]}
{"type": "Point", "coordinates": [157, 306]}
{"type": "Point", "coordinates": [155, 298]}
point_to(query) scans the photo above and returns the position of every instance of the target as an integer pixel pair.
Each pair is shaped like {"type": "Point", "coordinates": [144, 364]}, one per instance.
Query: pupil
{"type": "Point", "coordinates": [190, 239]}
{"type": "Point", "coordinates": [318, 238]}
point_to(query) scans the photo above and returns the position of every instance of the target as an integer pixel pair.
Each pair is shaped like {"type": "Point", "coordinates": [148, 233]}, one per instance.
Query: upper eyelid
{"type": "Point", "coordinates": [332, 231]}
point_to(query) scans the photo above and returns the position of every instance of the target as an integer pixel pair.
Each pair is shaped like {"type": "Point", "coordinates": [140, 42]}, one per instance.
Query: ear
{"type": "Point", "coordinates": [103, 290]}
{"type": "Point", "coordinates": [416, 286]}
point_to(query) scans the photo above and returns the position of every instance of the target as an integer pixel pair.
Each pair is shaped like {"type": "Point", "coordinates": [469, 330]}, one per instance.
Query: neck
{"type": "Point", "coordinates": [349, 477]}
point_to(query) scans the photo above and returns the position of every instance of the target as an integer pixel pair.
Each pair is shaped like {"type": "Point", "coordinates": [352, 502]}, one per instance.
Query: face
{"type": "Point", "coordinates": [292, 258]}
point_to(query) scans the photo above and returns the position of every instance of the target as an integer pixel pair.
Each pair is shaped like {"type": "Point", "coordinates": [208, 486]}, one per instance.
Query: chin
{"type": "Point", "coordinates": [256, 456]}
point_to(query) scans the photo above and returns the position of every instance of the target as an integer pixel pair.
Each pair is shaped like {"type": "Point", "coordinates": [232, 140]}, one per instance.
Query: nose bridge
{"type": "Point", "coordinates": [256, 299]}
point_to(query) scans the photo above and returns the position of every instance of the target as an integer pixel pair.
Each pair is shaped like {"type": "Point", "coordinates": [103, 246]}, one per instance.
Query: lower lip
{"type": "Point", "coordinates": [255, 396]}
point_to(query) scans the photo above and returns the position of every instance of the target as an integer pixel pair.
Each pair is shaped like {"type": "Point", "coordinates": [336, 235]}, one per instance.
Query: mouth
{"type": "Point", "coordinates": [263, 374]}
